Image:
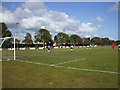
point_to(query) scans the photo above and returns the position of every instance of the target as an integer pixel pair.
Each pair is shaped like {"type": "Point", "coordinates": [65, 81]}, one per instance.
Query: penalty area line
{"type": "Point", "coordinates": [70, 61]}
{"type": "Point", "coordinates": [81, 69]}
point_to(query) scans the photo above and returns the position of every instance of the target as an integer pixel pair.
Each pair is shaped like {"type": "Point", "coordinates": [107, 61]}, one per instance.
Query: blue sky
{"type": "Point", "coordinates": [88, 11]}
{"type": "Point", "coordinates": [102, 15]}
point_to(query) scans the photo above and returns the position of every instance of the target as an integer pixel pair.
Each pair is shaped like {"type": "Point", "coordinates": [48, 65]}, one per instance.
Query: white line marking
{"type": "Point", "coordinates": [110, 72]}
{"type": "Point", "coordinates": [36, 63]}
{"type": "Point", "coordinates": [89, 70]}
{"type": "Point", "coordinates": [70, 61]}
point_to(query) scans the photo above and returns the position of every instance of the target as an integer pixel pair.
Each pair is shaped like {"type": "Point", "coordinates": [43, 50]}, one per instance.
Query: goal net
{"type": "Point", "coordinates": [7, 48]}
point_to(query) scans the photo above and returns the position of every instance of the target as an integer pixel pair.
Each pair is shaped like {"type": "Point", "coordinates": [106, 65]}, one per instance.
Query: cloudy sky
{"type": "Point", "coordinates": [87, 19]}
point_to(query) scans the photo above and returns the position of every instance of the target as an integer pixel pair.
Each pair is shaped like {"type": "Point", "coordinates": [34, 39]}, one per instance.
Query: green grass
{"type": "Point", "coordinates": [18, 74]}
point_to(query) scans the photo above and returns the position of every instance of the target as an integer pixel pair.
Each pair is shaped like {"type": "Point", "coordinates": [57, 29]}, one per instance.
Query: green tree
{"type": "Point", "coordinates": [62, 38]}
{"type": "Point", "coordinates": [55, 39]}
{"type": "Point", "coordinates": [43, 35]}
{"type": "Point", "coordinates": [112, 42]}
{"type": "Point", "coordinates": [87, 41]}
{"type": "Point", "coordinates": [28, 39]}
{"type": "Point", "coordinates": [96, 40]}
{"type": "Point", "coordinates": [105, 41]}
{"type": "Point", "coordinates": [4, 32]}
{"type": "Point", "coordinates": [75, 39]}
{"type": "Point", "coordinates": [118, 42]}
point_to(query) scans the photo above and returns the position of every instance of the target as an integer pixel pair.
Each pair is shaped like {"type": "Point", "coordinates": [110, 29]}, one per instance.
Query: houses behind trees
{"type": "Point", "coordinates": [28, 39]}
{"type": "Point", "coordinates": [44, 36]}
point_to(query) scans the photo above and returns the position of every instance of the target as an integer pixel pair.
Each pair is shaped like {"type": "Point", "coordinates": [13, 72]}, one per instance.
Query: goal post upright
{"type": "Point", "coordinates": [14, 50]}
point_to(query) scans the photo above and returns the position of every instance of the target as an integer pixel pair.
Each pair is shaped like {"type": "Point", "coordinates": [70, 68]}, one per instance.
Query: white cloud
{"type": "Point", "coordinates": [86, 27]}
{"type": "Point", "coordinates": [96, 35]}
{"type": "Point", "coordinates": [114, 7]}
{"type": "Point", "coordinates": [99, 26]}
{"type": "Point", "coordinates": [99, 19]}
{"type": "Point", "coordinates": [87, 36]}
{"type": "Point", "coordinates": [7, 16]}
{"type": "Point", "coordinates": [111, 38]}
{"type": "Point", "coordinates": [31, 16]}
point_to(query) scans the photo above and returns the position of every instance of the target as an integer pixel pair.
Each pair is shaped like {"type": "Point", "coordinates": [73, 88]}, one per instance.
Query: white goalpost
{"type": "Point", "coordinates": [2, 40]}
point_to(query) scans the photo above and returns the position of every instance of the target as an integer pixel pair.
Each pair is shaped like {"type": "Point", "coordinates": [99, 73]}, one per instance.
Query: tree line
{"type": "Point", "coordinates": [43, 35]}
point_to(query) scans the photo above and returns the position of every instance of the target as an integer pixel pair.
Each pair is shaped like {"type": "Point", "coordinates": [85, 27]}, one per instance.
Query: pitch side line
{"type": "Point", "coordinates": [70, 61]}
{"type": "Point", "coordinates": [110, 72]}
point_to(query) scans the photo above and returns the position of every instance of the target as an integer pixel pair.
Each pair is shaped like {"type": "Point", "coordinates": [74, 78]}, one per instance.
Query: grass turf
{"type": "Point", "coordinates": [18, 74]}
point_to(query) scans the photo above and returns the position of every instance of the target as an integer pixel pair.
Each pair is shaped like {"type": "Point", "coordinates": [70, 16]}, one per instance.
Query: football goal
{"type": "Point", "coordinates": [7, 48]}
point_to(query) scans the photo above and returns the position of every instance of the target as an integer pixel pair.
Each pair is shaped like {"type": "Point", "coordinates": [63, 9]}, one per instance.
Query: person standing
{"type": "Point", "coordinates": [113, 46]}
{"type": "Point", "coordinates": [51, 48]}
{"type": "Point", "coordinates": [48, 46]}
{"type": "Point", "coordinates": [119, 46]}
{"type": "Point", "coordinates": [71, 48]}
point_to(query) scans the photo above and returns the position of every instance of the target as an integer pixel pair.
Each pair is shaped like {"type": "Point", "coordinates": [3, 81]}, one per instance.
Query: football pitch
{"type": "Point", "coordinates": [61, 68]}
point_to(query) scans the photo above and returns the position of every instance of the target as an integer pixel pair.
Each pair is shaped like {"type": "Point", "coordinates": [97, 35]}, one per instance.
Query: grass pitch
{"type": "Point", "coordinates": [61, 68]}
